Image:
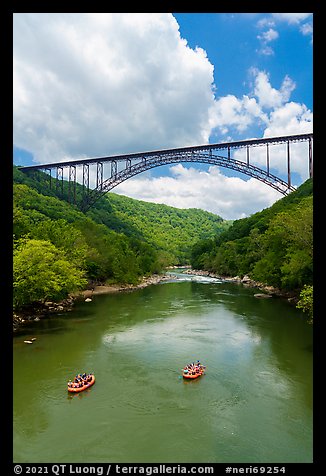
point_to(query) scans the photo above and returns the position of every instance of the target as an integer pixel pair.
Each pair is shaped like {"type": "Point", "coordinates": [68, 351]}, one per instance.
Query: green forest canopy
{"type": "Point", "coordinates": [274, 246]}
{"type": "Point", "coordinates": [119, 240]}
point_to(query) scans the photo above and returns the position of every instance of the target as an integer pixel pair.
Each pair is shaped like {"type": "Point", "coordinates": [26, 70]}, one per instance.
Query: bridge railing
{"type": "Point", "coordinates": [125, 166]}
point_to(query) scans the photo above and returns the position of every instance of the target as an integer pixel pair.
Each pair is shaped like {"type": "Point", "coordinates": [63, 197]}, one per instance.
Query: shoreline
{"type": "Point", "coordinates": [116, 288]}
{"type": "Point", "coordinates": [35, 313]}
{"type": "Point", "coordinates": [21, 319]}
{"type": "Point", "coordinates": [268, 290]}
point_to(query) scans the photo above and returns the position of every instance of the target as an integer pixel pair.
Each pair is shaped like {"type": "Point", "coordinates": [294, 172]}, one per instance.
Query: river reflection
{"type": "Point", "coordinates": [254, 404]}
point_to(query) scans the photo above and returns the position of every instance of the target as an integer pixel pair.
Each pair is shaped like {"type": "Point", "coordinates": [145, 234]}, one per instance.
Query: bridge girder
{"type": "Point", "coordinates": [137, 163]}
{"type": "Point", "coordinates": [205, 158]}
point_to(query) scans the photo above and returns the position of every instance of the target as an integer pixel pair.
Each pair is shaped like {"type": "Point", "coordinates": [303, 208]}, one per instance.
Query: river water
{"type": "Point", "coordinates": [254, 404]}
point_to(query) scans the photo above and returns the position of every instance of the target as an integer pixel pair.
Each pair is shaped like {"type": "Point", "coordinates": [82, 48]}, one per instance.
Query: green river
{"type": "Point", "coordinates": [254, 404]}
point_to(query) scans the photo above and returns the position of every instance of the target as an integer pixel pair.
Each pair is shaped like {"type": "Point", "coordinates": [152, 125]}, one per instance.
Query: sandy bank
{"type": "Point", "coordinates": [106, 289]}
{"type": "Point", "coordinates": [42, 310]}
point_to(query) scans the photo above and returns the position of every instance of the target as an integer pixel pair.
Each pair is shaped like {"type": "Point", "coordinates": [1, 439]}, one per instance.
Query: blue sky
{"type": "Point", "coordinates": [232, 42]}
{"type": "Point", "coordinates": [88, 85]}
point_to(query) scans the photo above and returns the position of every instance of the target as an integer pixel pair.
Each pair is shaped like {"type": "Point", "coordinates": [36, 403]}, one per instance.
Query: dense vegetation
{"type": "Point", "coordinates": [170, 230]}
{"type": "Point", "coordinates": [58, 249]}
{"type": "Point", "coordinates": [273, 246]}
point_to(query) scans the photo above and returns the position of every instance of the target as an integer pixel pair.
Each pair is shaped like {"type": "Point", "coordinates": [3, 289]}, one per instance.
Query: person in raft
{"type": "Point", "coordinates": [80, 380]}
{"type": "Point", "coordinates": [194, 368]}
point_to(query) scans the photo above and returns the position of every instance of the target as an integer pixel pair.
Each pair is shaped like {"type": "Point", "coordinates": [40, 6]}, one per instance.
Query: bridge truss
{"type": "Point", "coordinates": [123, 167]}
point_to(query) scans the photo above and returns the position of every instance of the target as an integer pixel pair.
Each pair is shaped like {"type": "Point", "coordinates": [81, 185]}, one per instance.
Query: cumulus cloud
{"type": "Point", "coordinates": [84, 84]}
{"type": "Point", "coordinates": [89, 85]}
{"type": "Point", "coordinates": [265, 105]}
{"type": "Point", "coordinates": [291, 18]}
{"type": "Point", "coordinates": [229, 111]}
{"type": "Point", "coordinates": [266, 22]}
{"type": "Point", "coordinates": [266, 37]}
{"type": "Point", "coordinates": [229, 197]}
{"type": "Point", "coordinates": [268, 96]}
{"type": "Point", "coordinates": [301, 20]}
{"type": "Point", "coordinates": [281, 118]}
{"type": "Point", "coordinates": [306, 29]}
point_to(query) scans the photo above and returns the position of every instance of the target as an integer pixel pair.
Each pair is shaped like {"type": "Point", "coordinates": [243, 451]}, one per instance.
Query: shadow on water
{"type": "Point", "coordinates": [84, 394]}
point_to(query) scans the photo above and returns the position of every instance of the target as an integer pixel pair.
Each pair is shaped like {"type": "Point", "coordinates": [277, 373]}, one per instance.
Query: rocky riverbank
{"type": "Point", "coordinates": [268, 291]}
{"type": "Point", "coordinates": [104, 289]}
{"type": "Point", "coordinates": [42, 310]}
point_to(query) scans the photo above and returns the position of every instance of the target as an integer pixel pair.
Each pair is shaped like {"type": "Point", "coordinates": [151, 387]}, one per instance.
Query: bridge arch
{"type": "Point", "coordinates": [198, 157]}
{"type": "Point", "coordinates": [136, 163]}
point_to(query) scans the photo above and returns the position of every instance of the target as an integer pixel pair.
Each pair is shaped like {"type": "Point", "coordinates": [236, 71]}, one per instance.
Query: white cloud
{"type": "Point", "coordinates": [265, 105]}
{"type": "Point", "coordinates": [229, 197]}
{"type": "Point", "coordinates": [306, 29]}
{"type": "Point", "coordinates": [266, 50]}
{"type": "Point", "coordinates": [103, 84]}
{"type": "Point", "coordinates": [233, 197]}
{"type": "Point", "coordinates": [265, 38]}
{"type": "Point", "coordinates": [296, 20]}
{"type": "Point", "coordinates": [230, 111]}
{"type": "Point", "coordinates": [265, 22]}
{"type": "Point", "coordinates": [268, 96]}
{"type": "Point", "coordinates": [291, 18]}
{"type": "Point", "coordinates": [86, 83]}
{"type": "Point", "coordinates": [268, 35]}
{"type": "Point", "coordinates": [291, 118]}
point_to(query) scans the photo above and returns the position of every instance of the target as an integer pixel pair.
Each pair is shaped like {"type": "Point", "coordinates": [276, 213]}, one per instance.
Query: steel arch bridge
{"type": "Point", "coordinates": [136, 163]}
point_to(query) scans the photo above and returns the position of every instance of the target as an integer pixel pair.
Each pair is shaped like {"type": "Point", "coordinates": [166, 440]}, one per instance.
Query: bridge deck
{"type": "Point", "coordinates": [161, 152]}
{"type": "Point", "coordinates": [137, 163]}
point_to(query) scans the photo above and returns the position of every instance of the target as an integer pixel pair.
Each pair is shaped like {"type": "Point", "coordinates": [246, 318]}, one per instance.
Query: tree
{"type": "Point", "coordinates": [41, 272]}
{"type": "Point", "coordinates": [63, 236]}
{"type": "Point", "coordinates": [306, 301]}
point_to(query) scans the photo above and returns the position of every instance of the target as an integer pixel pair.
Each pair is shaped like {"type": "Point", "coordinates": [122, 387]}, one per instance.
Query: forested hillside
{"type": "Point", "coordinates": [58, 249]}
{"type": "Point", "coordinates": [170, 230]}
{"type": "Point", "coordinates": [274, 246]}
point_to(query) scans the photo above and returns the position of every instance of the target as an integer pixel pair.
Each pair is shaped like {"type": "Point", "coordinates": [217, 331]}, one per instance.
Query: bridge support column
{"type": "Point", "coordinates": [59, 177]}
{"type": "Point", "coordinates": [310, 158]}
{"type": "Point", "coordinates": [99, 175]}
{"type": "Point", "coordinates": [85, 179]}
{"type": "Point", "coordinates": [208, 154]}
{"type": "Point", "coordinates": [50, 177]}
{"type": "Point", "coordinates": [113, 168]}
{"type": "Point", "coordinates": [267, 158]}
{"type": "Point", "coordinates": [288, 159]}
{"type": "Point", "coordinates": [72, 184]}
